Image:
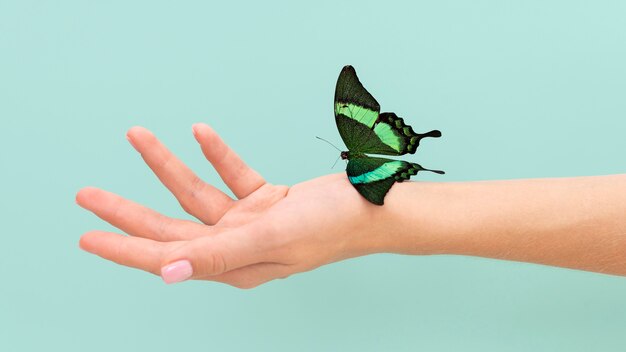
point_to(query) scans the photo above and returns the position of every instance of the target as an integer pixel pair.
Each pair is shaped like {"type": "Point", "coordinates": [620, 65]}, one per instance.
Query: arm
{"type": "Point", "coordinates": [271, 231]}
{"type": "Point", "coordinates": [576, 222]}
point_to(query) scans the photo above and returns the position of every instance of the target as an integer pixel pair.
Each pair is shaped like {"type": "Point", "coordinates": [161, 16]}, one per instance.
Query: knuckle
{"type": "Point", "coordinates": [215, 264]}
{"type": "Point", "coordinates": [163, 227]}
{"type": "Point", "coordinates": [196, 187]}
{"type": "Point", "coordinates": [119, 251]}
{"type": "Point", "coordinates": [188, 200]}
{"type": "Point", "coordinates": [117, 209]}
{"type": "Point", "coordinates": [165, 162]}
{"type": "Point", "coordinates": [193, 196]}
{"type": "Point", "coordinates": [222, 154]}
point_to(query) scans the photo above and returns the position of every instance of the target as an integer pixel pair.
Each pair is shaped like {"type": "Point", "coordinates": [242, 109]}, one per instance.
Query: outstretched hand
{"type": "Point", "coordinates": [268, 232]}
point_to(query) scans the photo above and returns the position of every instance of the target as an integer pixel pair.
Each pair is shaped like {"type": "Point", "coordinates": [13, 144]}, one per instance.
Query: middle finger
{"type": "Point", "coordinates": [137, 220]}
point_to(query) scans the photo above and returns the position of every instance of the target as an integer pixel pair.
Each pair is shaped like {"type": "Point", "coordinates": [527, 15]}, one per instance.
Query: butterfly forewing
{"type": "Point", "coordinates": [355, 108]}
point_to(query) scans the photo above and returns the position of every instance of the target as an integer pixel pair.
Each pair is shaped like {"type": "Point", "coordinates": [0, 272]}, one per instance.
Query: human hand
{"type": "Point", "coordinates": [270, 232]}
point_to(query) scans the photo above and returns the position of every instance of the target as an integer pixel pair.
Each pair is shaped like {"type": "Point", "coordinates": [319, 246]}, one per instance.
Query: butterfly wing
{"type": "Point", "coordinates": [396, 135]}
{"type": "Point", "coordinates": [373, 177]}
{"type": "Point", "coordinates": [356, 110]}
{"type": "Point", "coordinates": [361, 125]}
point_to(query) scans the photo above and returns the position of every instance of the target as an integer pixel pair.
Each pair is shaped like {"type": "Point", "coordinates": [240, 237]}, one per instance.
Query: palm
{"type": "Point", "coordinates": [309, 217]}
{"type": "Point", "coordinates": [325, 194]}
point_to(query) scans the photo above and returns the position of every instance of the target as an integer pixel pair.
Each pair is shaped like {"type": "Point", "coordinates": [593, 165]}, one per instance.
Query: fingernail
{"type": "Point", "coordinates": [176, 272]}
{"type": "Point", "coordinates": [131, 142]}
{"type": "Point", "coordinates": [194, 129]}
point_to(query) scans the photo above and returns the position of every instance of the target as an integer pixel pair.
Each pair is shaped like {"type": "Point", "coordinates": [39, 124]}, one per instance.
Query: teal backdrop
{"type": "Point", "coordinates": [519, 89]}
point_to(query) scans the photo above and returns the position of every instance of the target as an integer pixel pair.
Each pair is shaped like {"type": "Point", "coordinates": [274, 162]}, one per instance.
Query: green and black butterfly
{"type": "Point", "coordinates": [365, 130]}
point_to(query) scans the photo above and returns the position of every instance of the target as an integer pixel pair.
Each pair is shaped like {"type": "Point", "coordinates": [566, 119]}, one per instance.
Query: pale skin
{"type": "Point", "coordinates": [270, 231]}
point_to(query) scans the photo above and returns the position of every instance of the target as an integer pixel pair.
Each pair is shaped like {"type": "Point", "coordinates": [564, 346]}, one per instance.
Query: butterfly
{"type": "Point", "coordinates": [365, 130]}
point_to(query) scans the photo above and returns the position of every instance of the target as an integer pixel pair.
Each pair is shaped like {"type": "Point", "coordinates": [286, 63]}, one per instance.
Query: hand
{"type": "Point", "coordinates": [269, 232]}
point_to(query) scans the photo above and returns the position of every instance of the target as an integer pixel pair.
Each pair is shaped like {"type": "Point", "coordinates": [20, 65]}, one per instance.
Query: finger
{"type": "Point", "coordinates": [134, 252]}
{"type": "Point", "coordinates": [238, 176]}
{"type": "Point", "coordinates": [253, 275]}
{"type": "Point", "coordinates": [197, 198]}
{"type": "Point", "coordinates": [137, 220]}
{"type": "Point", "coordinates": [213, 255]}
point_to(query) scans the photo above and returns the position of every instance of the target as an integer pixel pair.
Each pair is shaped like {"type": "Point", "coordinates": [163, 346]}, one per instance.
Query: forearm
{"type": "Point", "coordinates": [571, 222]}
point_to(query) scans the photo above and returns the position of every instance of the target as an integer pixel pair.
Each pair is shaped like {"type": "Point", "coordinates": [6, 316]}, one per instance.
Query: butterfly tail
{"type": "Point", "coordinates": [412, 169]}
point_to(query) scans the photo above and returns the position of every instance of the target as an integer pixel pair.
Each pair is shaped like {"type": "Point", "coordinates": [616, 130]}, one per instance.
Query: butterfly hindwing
{"type": "Point", "coordinates": [373, 177]}
{"type": "Point", "coordinates": [362, 139]}
{"type": "Point", "coordinates": [394, 133]}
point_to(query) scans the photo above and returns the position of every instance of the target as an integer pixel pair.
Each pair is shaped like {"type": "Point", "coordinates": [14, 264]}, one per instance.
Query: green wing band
{"type": "Point", "coordinates": [384, 171]}
{"type": "Point", "coordinates": [358, 113]}
{"type": "Point", "coordinates": [388, 136]}
{"type": "Point", "coordinates": [355, 108]}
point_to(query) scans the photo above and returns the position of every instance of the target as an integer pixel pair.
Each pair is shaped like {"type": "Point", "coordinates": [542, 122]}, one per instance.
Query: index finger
{"type": "Point", "coordinates": [237, 175]}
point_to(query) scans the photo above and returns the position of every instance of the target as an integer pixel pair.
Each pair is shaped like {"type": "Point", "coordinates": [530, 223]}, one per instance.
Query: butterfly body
{"type": "Point", "coordinates": [347, 155]}
{"type": "Point", "coordinates": [365, 130]}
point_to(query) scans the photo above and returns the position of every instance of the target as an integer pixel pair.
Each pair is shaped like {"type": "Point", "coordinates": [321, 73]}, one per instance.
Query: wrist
{"type": "Point", "coordinates": [418, 218]}
{"type": "Point", "coordinates": [423, 218]}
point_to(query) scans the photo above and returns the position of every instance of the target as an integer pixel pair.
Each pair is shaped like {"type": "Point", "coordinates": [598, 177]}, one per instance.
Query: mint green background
{"type": "Point", "coordinates": [519, 89]}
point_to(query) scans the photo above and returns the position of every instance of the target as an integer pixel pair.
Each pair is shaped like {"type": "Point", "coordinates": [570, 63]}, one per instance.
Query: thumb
{"type": "Point", "coordinates": [211, 255]}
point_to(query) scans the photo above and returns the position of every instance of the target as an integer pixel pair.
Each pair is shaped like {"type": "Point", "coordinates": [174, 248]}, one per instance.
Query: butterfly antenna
{"type": "Point", "coordinates": [339, 157]}
{"type": "Point", "coordinates": [334, 146]}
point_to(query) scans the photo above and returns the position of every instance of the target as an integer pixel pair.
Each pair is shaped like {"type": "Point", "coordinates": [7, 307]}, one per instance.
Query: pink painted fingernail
{"type": "Point", "coordinates": [176, 272]}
